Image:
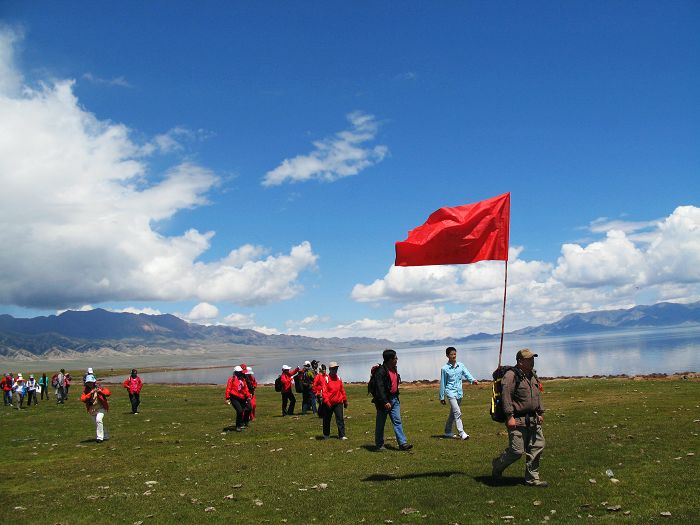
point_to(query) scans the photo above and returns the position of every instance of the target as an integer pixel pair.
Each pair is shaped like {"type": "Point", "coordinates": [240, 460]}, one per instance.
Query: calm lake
{"type": "Point", "coordinates": [668, 350]}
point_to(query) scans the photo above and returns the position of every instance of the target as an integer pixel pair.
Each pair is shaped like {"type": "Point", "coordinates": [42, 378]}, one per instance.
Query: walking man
{"type": "Point", "coordinates": [451, 376]}
{"type": "Point", "coordinates": [287, 393]}
{"type": "Point", "coordinates": [523, 409]}
{"type": "Point", "coordinates": [385, 397]}
{"type": "Point", "coordinates": [133, 385]}
{"type": "Point", "coordinates": [334, 400]}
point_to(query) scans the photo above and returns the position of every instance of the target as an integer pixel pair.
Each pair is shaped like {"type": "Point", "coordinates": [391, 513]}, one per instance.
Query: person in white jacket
{"type": "Point", "coordinates": [19, 387]}
{"type": "Point", "coordinates": [31, 390]}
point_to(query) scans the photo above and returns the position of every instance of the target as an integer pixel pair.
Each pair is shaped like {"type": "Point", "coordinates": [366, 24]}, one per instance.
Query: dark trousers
{"type": "Point", "coordinates": [288, 397]}
{"type": "Point", "coordinates": [7, 397]}
{"type": "Point", "coordinates": [238, 406]}
{"type": "Point", "coordinates": [44, 391]}
{"type": "Point", "coordinates": [31, 394]}
{"type": "Point", "coordinates": [135, 399]}
{"type": "Point", "coordinates": [307, 401]}
{"type": "Point", "coordinates": [328, 412]}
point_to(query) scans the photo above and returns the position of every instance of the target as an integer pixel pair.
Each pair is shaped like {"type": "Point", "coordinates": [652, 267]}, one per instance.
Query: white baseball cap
{"type": "Point", "coordinates": [286, 367]}
{"type": "Point", "coordinates": [238, 369]}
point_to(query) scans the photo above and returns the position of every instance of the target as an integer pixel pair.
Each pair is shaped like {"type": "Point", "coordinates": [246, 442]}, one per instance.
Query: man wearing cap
{"type": "Point", "coordinates": [287, 379]}
{"type": "Point", "coordinates": [524, 417]}
{"type": "Point", "coordinates": [237, 393]}
{"type": "Point", "coordinates": [334, 401]}
{"type": "Point", "coordinates": [31, 390]}
{"type": "Point", "coordinates": [6, 384]}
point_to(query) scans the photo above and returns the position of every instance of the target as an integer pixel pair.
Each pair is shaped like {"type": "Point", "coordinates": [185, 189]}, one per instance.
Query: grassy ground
{"type": "Point", "coordinates": [278, 471]}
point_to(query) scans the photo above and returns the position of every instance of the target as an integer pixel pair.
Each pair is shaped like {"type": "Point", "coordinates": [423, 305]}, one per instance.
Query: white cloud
{"type": "Point", "coordinates": [78, 206]}
{"type": "Point", "coordinates": [117, 81]}
{"type": "Point", "coordinates": [663, 265]}
{"type": "Point", "coordinates": [203, 312]}
{"type": "Point", "coordinates": [334, 158]}
{"type": "Point", "coordinates": [10, 77]}
{"type": "Point", "coordinates": [239, 320]}
{"type": "Point", "coordinates": [146, 310]}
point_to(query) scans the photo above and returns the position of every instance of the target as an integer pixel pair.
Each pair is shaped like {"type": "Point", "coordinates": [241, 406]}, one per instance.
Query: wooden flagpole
{"type": "Point", "coordinates": [503, 317]}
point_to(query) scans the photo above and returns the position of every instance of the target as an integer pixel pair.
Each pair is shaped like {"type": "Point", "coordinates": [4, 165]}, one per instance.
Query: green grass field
{"type": "Point", "coordinates": [279, 471]}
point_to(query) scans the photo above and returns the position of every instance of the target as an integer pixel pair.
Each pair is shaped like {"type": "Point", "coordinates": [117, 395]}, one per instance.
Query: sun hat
{"type": "Point", "coordinates": [90, 379]}
{"type": "Point", "coordinates": [249, 371]}
{"type": "Point", "coordinates": [19, 377]}
{"type": "Point", "coordinates": [307, 363]}
{"type": "Point", "coordinates": [286, 367]}
{"type": "Point", "coordinates": [332, 364]}
{"type": "Point", "coordinates": [525, 353]}
{"type": "Point", "coordinates": [238, 369]}
{"type": "Point", "coordinates": [90, 371]}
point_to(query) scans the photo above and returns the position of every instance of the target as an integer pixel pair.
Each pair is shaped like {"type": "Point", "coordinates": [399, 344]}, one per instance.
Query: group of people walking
{"type": "Point", "coordinates": [520, 396]}
{"type": "Point", "coordinates": [15, 389]}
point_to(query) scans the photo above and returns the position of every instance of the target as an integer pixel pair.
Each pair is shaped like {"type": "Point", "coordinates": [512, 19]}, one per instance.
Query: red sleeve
{"type": "Point", "coordinates": [125, 384]}
{"type": "Point", "coordinates": [139, 384]}
{"type": "Point", "coordinates": [106, 392]}
{"type": "Point", "coordinates": [229, 387]}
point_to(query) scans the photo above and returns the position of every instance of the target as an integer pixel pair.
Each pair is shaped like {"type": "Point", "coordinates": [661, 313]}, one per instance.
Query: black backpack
{"type": "Point", "coordinates": [496, 410]}
{"type": "Point", "coordinates": [298, 385]}
{"type": "Point", "coordinates": [278, 384]}
{"type": "Point", "coordinates": [372, 383]}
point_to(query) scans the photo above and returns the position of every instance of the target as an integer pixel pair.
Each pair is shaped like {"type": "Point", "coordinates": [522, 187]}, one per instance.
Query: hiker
{"type": "Point", "coordinates": [451, 376]}
{"type": "Point", "coordinates": [31, 390]}
{"type": "Point", "coordinates": [88, 372]}
{"type": "Point", "coordinates": [44, 385]}
{"type": "Point", "coordinates": [19, 387]}
{"type": "Point", "coordinates": [317, 387]}
{"type": "Point", "coordinates": [385, 397]}
{"type": "Point", "coordinates": [6, 384]}
{"type": "Point", "coordinates": [287, 378]}
{"type": "Point", "coordinates": [61, 387]}
{"type": "Point", "coordinates": [334, 401]}
{"type": "Point", "coordinates": [252, 384]}
{"type": "Point", "coordinates": [133, 385]}
{"type": "Point", "coordinates": [237, 394]}
{"type": "Point", "coordinates": [95, 399]}
{"type": "Point", "coordinates": [308, 400]}
{"type": "Point", "coordinates": [67, 382]}
{"type": "Point", "coordinates": [524, 416]}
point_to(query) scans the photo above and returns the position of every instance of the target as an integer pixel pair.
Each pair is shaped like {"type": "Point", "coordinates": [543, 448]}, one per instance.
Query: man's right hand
{"type": "Point", "coordinates": [511, 424]}
{"type": "Point", "coordinates": [442, 401]}
{"type": "Point", "coordinates": [387, 406]}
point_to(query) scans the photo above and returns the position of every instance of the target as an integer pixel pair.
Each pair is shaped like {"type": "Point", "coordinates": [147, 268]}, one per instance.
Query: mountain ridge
{"type": "Point", "coordinates": [99, 330]}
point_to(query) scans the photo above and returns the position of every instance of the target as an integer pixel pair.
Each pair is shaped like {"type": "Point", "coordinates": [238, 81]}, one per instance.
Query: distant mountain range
{"type": "Point", "coordinates": [98, 331]}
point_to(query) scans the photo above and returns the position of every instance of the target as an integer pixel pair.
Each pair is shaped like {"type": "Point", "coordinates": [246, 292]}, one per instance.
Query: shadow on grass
{"type": "Point", "coordinates": [502, 482]}
{"type": "Point", "coordinates": [443, 436]}
{"type": "Point", "coordinates": [392, 477]}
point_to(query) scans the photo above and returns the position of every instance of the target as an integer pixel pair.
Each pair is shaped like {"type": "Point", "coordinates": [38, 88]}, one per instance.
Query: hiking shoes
{"type": "Point", "coordinates": [405, 446]}
{"type": "Point", "coordinates": [495, 473]}
{"type": "Point", "coordinates": [344, 438]}
{"type": "Point", "coordinates": [380, 448]}
{"type": "Point", "coordinates": [537, 483]}
{"type": "Point", "coordinates": [464, 436]}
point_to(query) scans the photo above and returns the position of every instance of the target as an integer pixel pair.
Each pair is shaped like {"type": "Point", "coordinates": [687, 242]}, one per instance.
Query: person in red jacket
{"type": "Point", "coordinates": [287, 379]}
{"type": "Point", "coordinates": [95, 398]}
{"type": "Point", "coordinates": [133, 385]}
{"type": "Point", "coordinates": [317, 387]}
{"type": "Point", "coordinates": [334, 400]}
{"type": "Point", "coordinates": [252, 385]}
{"type": "Point", "coordinates": [6, 384]}
{"type": "Point", "coordinates": [238, 395]}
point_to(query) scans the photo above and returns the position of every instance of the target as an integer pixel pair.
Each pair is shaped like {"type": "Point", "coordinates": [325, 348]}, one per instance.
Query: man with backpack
{"type": "Point", "coordinates": [308, 400]}
{"type": "Point", "coordinates": [523, 412]}
{"type": "Point", "coordinates": [384, 387]}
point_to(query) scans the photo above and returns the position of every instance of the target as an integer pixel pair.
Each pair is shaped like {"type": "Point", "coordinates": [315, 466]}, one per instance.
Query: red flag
{"type": "Point", "coordinates": [460, 235]}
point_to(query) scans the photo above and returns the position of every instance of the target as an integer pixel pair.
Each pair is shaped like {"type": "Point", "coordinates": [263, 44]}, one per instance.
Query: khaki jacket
{"type": "Point", "coordinates": [523, 401]}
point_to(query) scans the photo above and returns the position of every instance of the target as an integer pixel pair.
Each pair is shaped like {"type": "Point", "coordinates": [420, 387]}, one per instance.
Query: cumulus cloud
{"type": "Point", "coordinates": [614, 272]}
{"type": "Point", "coordinates": [203, 312]}
{"type": "Point", "coordinates": [78, 206]}
{"type": "Point", "coordinates": [239, 320]}
{"type": "Point", "coordinates": [333, 158]}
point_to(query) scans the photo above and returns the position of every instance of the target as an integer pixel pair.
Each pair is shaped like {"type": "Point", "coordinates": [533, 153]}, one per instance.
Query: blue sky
{"type": "Point", "coordinates": [253, 164]}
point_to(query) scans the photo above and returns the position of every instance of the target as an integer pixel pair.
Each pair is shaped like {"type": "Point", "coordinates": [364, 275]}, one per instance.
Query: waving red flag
{"type": "Point", "coordinates": [460, 235]}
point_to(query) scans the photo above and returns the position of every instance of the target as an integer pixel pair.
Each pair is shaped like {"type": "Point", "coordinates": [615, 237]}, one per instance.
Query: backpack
{"type": "Point", "coordinates": [278, 384]}
{"type": "Point", "coordinates": [372, 383]}
{"type": "Point", "coordinates": [54, 381]}
{"type": "Point", "coordinates": [496, 410]}
{"type": "Point", "coordinates": [298, 385]}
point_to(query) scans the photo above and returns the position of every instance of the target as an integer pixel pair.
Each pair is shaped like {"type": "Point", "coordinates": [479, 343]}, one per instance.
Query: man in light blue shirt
{"type": "Point", "coordinates": [451, 377]}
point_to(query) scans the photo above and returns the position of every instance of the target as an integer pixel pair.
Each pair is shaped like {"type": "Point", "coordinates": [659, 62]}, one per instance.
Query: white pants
{"type": "Point", "coordinates": [455, 415]}
{"type": "Point", "coordinates": [98, 415]}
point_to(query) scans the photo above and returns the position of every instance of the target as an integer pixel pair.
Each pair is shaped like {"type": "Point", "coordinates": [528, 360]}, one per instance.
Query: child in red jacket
{"type": "Point", "coordinates": [334, 400]}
